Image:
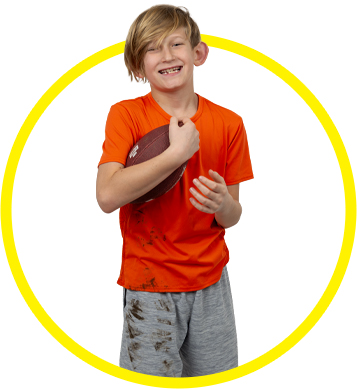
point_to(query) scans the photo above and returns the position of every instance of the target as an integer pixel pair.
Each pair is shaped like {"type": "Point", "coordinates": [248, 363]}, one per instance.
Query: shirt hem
{"type": "Point", "coordinates": [174, 289]}
{"type": "Point", "coordinates": [111, 160]}
{"type": "Point", "coordinates": [240, 180]}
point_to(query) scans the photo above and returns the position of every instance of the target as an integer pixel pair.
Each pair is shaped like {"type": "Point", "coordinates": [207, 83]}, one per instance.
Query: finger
{"type": "Point", "coordinates": [212, 185]}
{"type": "Point", "coordinates": [202, 199]}
{"type": "Point", "coordinates": [205, 191]}
{"type": "Point", "coordinates": [216, 176]}
{"type": "Point", "coordinates": [182, 119]}
{"type": "Point", "coordinates": [200, 207]}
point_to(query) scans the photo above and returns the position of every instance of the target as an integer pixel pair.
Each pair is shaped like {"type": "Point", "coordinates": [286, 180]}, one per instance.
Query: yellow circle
{"type": "Point", "coordinates": [247, 368]}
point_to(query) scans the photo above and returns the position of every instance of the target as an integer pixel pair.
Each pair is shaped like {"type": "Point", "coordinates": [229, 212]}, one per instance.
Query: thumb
{"type": "Point", "coordinates": [173, 120]}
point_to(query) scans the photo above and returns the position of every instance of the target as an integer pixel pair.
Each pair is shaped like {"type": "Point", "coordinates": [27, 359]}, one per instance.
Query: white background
{"type": "Point", "coordinates": [284, 249]}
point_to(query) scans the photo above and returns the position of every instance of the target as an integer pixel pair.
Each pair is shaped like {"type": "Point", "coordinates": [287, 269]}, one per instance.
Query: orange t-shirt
{"type": "Point", "coordinates": [169, 245]}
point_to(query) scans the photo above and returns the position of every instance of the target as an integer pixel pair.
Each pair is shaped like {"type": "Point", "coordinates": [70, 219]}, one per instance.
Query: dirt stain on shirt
{"type": "Point", "coordinates": [149, 283]}
{"type": "Point", "coordinates": [154, 234]}
{"type": "Point", "coordinates": [139, 216]}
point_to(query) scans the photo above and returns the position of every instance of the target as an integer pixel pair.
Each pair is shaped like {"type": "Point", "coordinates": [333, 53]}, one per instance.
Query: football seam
{"type": "Point", "coordinates": [160, 135]}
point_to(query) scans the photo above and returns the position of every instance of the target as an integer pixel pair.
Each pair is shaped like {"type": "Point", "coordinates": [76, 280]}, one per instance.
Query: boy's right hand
{"type": "Point", "coordinates": [184, 140]}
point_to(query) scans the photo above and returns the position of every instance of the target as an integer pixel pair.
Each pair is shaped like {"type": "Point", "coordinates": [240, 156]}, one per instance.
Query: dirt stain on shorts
{"type": "Point", "coordinates": [167, 365]}
{"type": "Point", "coordinates": [160, 339]}
{"type": "Point", "coordinates": [132, 330]}
{"type": "Point", "coordinates": [162, 333]}
{"type": "Point", "coordinates": [161, 346]}
{"type": "Point", "coordinates": [133, 354]}
{"type": "Point", "coordinates": [161, 304]}
{"type": "Point", "coordinates": [164, 321]}
{"type": "Point", "coordinates": [134, 310]}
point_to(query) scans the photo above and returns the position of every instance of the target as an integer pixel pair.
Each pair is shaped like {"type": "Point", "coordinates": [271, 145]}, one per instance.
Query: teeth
{"type": "Point", "coordinates": [172, 70]}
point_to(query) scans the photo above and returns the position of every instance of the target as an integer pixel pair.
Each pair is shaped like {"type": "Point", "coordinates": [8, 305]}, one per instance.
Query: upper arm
{"type": "Point", "coordinates": [234, 191]}
{"type": "Point", "coordinates": [238, 164]}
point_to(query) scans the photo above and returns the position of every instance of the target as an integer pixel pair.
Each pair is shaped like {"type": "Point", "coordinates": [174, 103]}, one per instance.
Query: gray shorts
{"type": "Point", "coordinates": [180, 334]}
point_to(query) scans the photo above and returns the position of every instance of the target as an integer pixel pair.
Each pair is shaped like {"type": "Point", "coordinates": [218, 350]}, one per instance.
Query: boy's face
{"type": "Point", "coordinates": [175, 51]}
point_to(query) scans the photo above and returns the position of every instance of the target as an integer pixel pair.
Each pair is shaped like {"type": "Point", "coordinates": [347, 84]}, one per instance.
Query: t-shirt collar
{"type": "Point", "coordinates": [168, 117]}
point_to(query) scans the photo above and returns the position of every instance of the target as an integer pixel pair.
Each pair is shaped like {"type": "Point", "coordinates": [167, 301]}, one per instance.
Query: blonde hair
{"type": "Point", "coordinates": [154, 25]}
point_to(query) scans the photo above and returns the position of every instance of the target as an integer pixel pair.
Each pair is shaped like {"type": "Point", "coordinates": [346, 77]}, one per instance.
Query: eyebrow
{"type": "Point", "coordinates": [153, 43]}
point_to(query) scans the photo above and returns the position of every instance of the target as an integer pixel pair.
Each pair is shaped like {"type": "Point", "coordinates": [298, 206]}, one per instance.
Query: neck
{"type": "Point", "coordinates": [177, 103]}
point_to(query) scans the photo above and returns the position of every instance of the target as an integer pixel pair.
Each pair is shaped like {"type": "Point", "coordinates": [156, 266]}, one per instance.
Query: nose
{"type": "Point", "coordinates": [167, 55]}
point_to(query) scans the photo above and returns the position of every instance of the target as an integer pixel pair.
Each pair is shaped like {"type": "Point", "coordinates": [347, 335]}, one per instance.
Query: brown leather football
{"type": "Point", "coordinates": [149, 146]}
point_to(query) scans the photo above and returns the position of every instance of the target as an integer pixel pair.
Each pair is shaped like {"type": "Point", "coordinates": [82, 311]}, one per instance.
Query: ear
{"type": "Point", "coordinates": [200, 53]}
{"type": "Point", "coordinates": [138, 75]}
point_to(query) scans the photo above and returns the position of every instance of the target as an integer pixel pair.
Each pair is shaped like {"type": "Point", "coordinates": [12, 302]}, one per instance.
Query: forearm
{"type": "Point", "coordinates": [230, 215]}
{"type": "Point", "coordinates": [128, 184]}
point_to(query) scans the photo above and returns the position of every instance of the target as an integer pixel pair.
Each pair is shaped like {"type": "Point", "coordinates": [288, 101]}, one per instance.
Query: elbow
{"type": "Point", "coordinates": [240, 211]}
{"type": "Point", "coordinates": [106, 203]}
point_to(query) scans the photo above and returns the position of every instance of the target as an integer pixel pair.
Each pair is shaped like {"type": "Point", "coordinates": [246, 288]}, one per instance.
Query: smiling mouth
{"type": "Point", "coordinates": [171, 70]}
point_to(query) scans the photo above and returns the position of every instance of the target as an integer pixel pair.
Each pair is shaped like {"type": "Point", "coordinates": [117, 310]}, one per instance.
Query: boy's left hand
{"type": "Point", "coordinates": [216, 195]}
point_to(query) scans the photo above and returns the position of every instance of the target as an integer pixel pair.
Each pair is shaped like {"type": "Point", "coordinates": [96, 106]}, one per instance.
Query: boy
{"type": "Point", "coordinates": [178, 310]}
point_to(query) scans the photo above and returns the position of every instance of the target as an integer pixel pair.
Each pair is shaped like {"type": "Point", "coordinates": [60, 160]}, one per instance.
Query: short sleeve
{"type": "Point", "coordinates": [238, 166]}
{"type": "Point", "coordinates": [119, 137]}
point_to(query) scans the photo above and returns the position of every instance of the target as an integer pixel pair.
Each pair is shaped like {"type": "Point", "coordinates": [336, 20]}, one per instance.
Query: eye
{"type": "Point", "coordinates": [151, 47]}
{"type": "Point", "coordinates": [178, 44]}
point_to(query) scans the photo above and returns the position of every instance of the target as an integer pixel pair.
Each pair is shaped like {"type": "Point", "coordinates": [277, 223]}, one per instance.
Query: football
{"type": "Point", "coordinates": [149, 146]}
